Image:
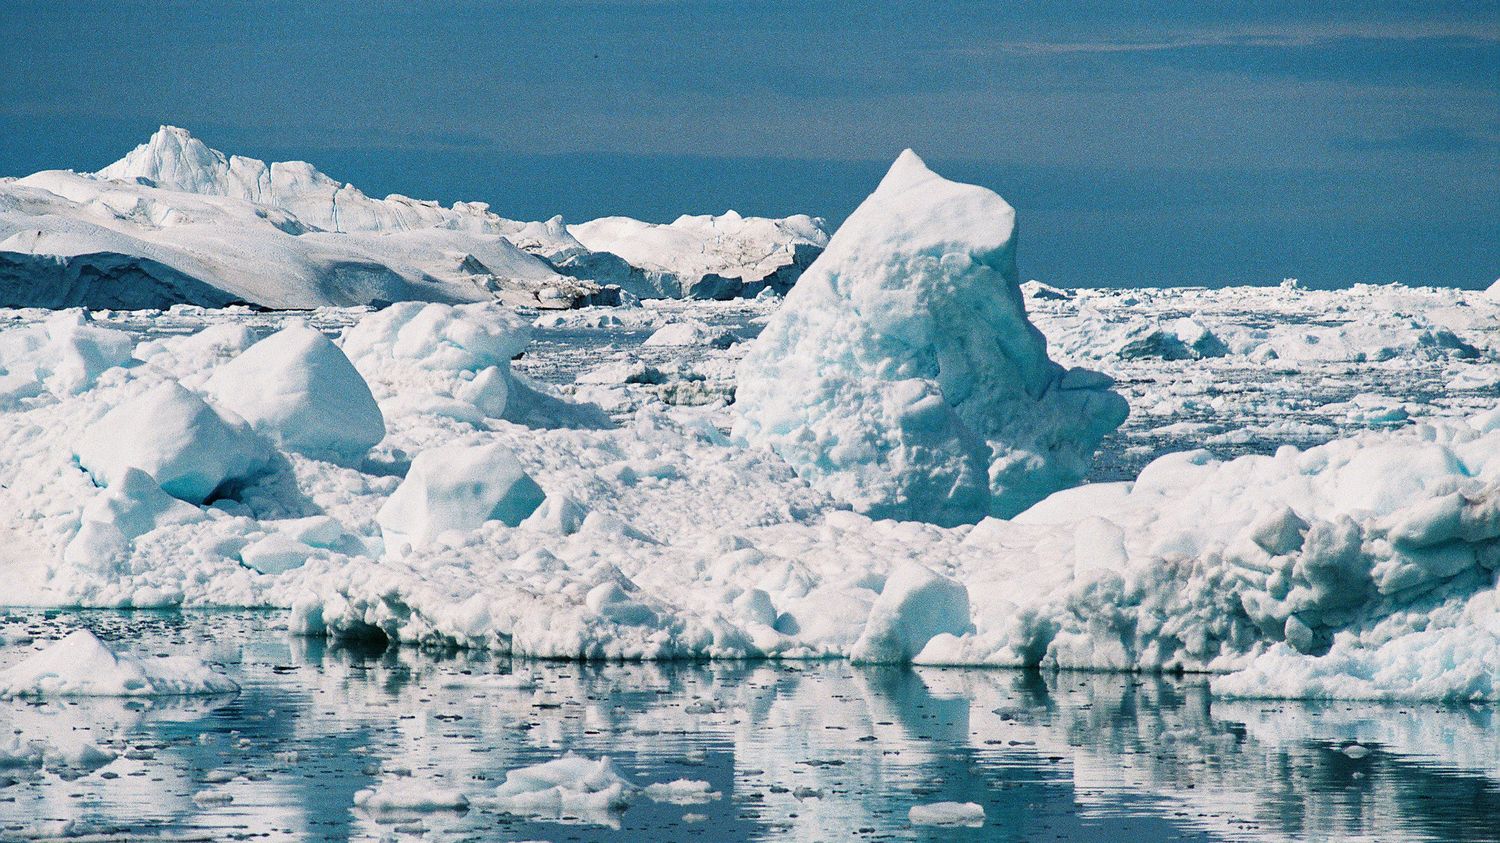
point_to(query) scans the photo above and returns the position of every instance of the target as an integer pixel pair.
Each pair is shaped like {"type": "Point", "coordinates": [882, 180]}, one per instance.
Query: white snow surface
{"type": "Point", "coordinates": [80, 665]}
{"type": "Point", "coordinates": [902, 375]}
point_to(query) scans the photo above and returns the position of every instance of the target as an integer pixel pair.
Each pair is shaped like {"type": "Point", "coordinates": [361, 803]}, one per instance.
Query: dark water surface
{"type": "Point", "coordinates": [795, 751]}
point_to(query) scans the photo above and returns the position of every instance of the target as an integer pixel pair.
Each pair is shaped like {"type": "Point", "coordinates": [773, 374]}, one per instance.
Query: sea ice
{"type": "Point", "coordinates": [570, 784]}
{"type": "Point", "coordinates": [188, 447]}
{"type": "Point", "coordinates": [681, 792]}
{"type": "Point", "coordinates": [409, 795]}
{"type": "Point", "coordinates": [902, 376]}
{"type": "Point", "coordinates": [80, 665]}
{"type": "Point", "coordinates": [457, 487]}
{"type": "Point", "coordinates": [65, 353]}
{"type": "Point", "coordinates": [297, 388]}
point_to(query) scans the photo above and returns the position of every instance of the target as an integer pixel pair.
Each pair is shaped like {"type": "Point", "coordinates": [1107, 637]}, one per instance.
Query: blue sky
{"type": "Point", "coordinates": [1141, 144]}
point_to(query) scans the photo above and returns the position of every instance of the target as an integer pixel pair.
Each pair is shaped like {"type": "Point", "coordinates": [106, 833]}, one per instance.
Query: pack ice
{"type": "Point", "coordinates": [902, 375]}
{"type": "Point", "coordinates": [496, 512]}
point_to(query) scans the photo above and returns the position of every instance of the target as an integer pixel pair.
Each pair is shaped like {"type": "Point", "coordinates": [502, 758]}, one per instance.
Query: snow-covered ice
{"type": "Point", "coordinates": [300, 390]}
{"type": "Point", "coordinates": [172, 434]}
{"type": "Point", "coordinates": [457, 488]}
{"type": "Point", "coordinates": [80, 665]}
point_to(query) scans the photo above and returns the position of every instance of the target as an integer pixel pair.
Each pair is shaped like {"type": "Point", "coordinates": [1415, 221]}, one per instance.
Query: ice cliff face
{"type": "Point", "coordinates": [902, 374]}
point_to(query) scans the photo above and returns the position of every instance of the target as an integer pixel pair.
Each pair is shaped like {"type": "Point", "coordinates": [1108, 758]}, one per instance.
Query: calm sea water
{"type": "Point", "coordinates": [793, 751]}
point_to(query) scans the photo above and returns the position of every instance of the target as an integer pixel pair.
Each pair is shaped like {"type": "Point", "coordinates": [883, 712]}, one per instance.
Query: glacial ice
{"type": "Point", "coordinates": [80, 665]}
{"type": "Point", "coordinates": [902, 375]}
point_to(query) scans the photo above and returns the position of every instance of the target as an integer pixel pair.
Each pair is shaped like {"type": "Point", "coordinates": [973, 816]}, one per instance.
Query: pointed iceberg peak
{"type": "Point", "coordinates": [173, 159]}
{"type": "Point", "coordinates": [907, 170]}
{"type": "Point", "coordinates": [927, 214]}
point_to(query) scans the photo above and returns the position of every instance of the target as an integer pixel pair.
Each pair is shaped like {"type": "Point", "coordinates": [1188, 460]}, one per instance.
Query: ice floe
{"type": "Point", "coordinates": [80, 665]}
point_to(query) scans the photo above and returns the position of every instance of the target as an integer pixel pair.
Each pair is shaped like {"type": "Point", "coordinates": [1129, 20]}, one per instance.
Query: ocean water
{"type": "Point", "coordinates": [791, 751]}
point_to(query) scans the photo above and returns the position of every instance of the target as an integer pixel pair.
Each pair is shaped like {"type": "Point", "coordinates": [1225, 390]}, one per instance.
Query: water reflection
{"type": "Point", "coordinates": [816, 751]}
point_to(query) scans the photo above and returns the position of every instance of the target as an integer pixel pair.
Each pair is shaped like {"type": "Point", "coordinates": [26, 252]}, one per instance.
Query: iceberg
{"type": "Point", "coordinates": [175, 222]}
{"type": "Point", "coordinates": [711, 257]}
{"type": "Point", "coordinates": [902, 375]}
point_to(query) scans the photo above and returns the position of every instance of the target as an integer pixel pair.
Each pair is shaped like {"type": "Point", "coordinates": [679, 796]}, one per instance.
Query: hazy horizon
{"type": "Point", "coordinates": [1180, 147]}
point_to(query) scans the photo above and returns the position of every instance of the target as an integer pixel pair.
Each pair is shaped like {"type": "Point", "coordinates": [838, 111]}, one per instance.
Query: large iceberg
{"type": "Point", "coordinates": [120, 228]}
{"type": "Point", "coordinates": [902, 374]}
{"type": "Point", "coordinates": [175, 222]}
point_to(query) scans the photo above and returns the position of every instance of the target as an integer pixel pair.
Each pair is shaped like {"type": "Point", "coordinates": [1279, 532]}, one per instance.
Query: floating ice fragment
{"type": "Point", "coordinates": [947, 814]}
{"type": "Point", "coordinates": [80, 665]}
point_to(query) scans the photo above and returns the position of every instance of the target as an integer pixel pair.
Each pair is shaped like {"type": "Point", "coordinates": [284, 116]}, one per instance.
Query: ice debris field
{"type": "Point", "coordinates": [1296, 491]}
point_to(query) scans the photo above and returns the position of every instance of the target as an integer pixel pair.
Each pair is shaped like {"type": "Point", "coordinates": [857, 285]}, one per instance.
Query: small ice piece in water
{"type": "Point", "coordinates": [570, 784]}
{"type": "Point", "coordinates": [681, 792]}
{"type": "Point", "coordinates": [174, 436]}
{"type": "Point", "coordinates": [947, 813]}
{"type": "Point", "coordinates": [211, 797]}
{"type": "Point", "coordinates": [457, 487]}
{"type": "Point", "coordinates": [299, 389]}
{"type": "Point", "coordinates": [80, 665]}
{"type": "Point", "coordinates": [403, 794]}
{"type": "Point", "coordinates": [1356, 751]}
